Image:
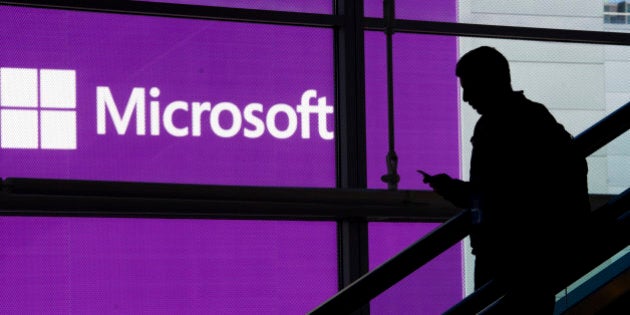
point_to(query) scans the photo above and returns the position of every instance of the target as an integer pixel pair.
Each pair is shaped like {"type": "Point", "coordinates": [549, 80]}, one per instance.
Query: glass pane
{"type": "Point", "coordinates": [307, 6]}
{"type": "Point", "coordinates": [579, 83]}
{"type": "Point", "coordinates": [428, 10]}
{"type": "Point", "coordinates": [605, 15]}
{"type": "Point", "coordinates": [426, 137]}
{"type": "Point", "coordinates": [432, 289]}
{"type": "Point", "coordinates": [165, 266]}
{"type": "Point", "coordinates": [582, 84]}
{"type": "Point", "coordinates": [579, 15]}
{"type": "Point", "coordinates": [425, 104]}
{"type": "Point", "coordinates": [137, 98]}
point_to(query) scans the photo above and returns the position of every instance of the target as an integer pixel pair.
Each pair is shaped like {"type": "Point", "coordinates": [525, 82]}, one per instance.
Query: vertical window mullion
{"type": "Point", "coordinates": [350, 131]}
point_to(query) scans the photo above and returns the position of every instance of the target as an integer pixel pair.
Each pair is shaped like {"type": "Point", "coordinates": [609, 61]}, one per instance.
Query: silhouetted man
{"type": "Point", "coordinates": [527, 186]}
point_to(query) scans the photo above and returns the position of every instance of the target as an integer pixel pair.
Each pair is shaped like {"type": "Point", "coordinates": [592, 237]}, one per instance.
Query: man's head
{"type": "Point", "coordinates": [484, 75]}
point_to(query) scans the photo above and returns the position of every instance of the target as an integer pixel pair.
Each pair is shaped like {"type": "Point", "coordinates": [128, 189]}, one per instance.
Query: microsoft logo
{"type": "Point", "coordinates": [38, 109]}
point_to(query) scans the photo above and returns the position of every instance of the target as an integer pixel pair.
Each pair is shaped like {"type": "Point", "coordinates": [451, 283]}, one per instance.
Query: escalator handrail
{"type": "Point", "coordinates": [604, 131]}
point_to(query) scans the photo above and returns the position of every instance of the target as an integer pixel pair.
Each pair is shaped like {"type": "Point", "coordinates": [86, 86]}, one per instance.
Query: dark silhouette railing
{"type": "Point", "coordinates": [604, 131]}
{"type": "Point", "coordinates": [605, 237]}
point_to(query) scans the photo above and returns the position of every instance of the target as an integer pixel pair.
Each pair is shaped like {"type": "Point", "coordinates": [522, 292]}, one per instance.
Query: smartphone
{"type": "Point", "coordinates": [427, 177]}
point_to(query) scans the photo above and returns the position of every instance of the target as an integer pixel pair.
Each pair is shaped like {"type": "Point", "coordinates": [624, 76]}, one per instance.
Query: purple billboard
{"type": "Point", "coordinates": [426, 107]}
{"type": "Point", "coordinates": [432, 289]}
{"type": "Point", "coordinates": [165, 266]}
{"type": "Point", "coordinates": [426, 120]}
{"type": "Point", "coordinates": [136, 98]}
{"type": "Point", "coordinates": [102, 96]}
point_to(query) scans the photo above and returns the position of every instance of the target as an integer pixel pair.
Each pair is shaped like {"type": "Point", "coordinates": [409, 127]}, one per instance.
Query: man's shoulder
{"type": "Point", "coordinates": [528, 104]}
{"type": "Point", "coordinates": [533, 110]}
{"type": "Point", "coordinates": [537, 114]}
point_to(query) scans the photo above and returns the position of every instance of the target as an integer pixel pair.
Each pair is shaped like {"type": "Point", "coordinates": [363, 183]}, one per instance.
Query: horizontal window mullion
{"type": "Point", "coordinates": [498, 31]}
{"type": "Point", "coordinates": [187, 11]}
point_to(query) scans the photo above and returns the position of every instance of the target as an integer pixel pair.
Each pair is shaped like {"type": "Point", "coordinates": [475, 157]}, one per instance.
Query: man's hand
{"type": "Point", "coordinates": [453, 190]}
{"type": "Point", "coordinates": [442, 184]}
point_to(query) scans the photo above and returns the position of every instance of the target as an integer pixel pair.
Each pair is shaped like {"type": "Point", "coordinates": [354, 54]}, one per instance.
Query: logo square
{"type": "Point", "coordinates": [18, 129]}
{"type": "Point", "coordinates": [58, 129]}
{"type": "Point", "coordinates": [57, 89]}
{"type": "Point", "coordinates": [19, 87]}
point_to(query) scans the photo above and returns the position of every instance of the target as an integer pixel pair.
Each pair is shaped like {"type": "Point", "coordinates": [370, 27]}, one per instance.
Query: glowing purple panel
{"type": "Point", "coordinates": [161, 266]}
{"type": "Point", "coordinates": [427, 138]}
{"type": "Point", "coordinates": [432, 289]}
{"type": "Point", "coordinates": [136, 98]}
{"type": "Point", "coordinates": [307, 6]}
{"type": "Point", "coordinates": [425, 103]}
{"type": "Point", "coordinates": [427, 10]}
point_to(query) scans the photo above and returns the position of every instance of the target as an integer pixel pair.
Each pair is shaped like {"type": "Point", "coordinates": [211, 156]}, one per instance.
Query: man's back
{"type": "Point", "coordinates": [526, 173]}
